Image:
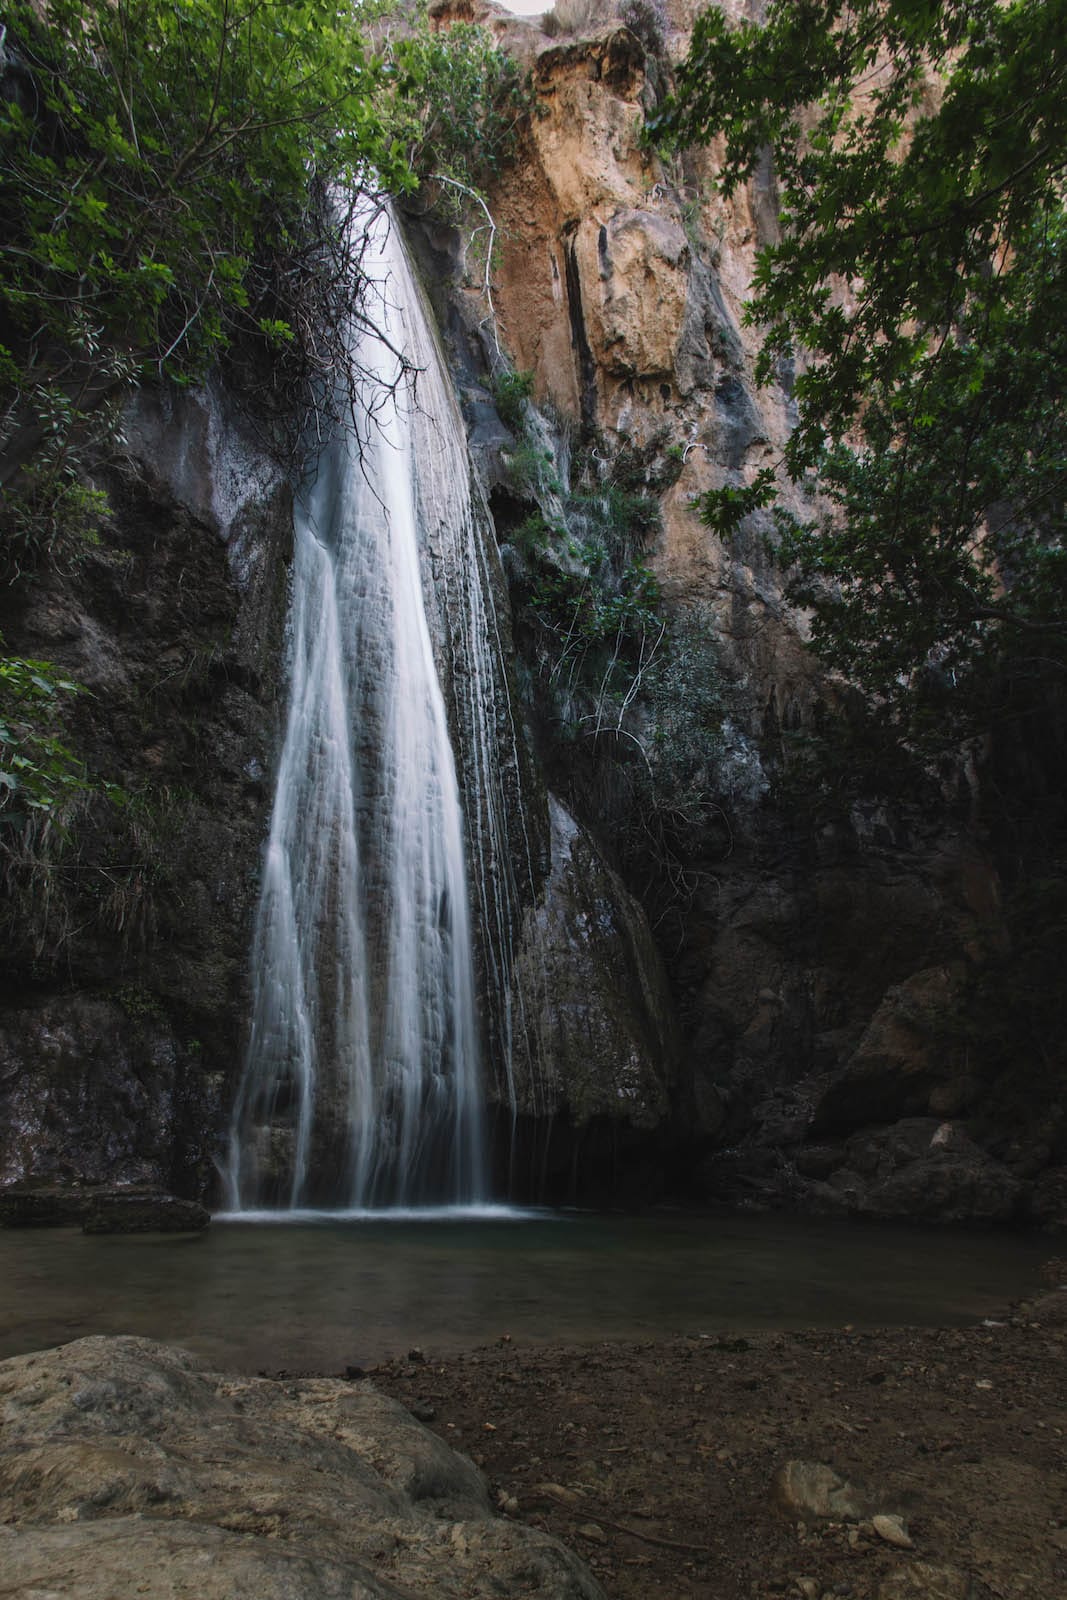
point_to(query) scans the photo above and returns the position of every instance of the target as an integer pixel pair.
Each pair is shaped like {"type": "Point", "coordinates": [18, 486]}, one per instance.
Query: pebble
{"type": "Point", "coordinates": [893, 1531]}
{"type": "Point", "coordinates": [556, 1491]}
{"type": "Point", "coordinates": [924, 1580]}
{"type": "Point", "coordinates": [593, 1531]}
{"type": "Point", "coordinates": [813, 1488]}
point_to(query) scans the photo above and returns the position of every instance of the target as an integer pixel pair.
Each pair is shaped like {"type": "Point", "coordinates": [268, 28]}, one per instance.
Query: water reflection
{"type": "Point", "coordinates": [329, 1292]}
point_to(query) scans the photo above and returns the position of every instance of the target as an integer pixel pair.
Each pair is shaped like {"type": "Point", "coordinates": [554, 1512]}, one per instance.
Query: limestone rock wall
{"type": "Point", "coordinates": [123, 994]}
{"type": "Point", "coordinates": [593, 1059]}
{"type": "Point", "coordinates": [773, 1015]}
{"type": "Point", "coordinates": [805, 934]}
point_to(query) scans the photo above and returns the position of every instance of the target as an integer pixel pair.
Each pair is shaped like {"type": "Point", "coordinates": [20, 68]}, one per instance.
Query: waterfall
{"type": "Point", "coordinates": [361, 1086]}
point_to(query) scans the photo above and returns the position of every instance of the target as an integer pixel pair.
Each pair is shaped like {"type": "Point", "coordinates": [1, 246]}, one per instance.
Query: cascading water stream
{"type": "Point", "coordinates": [361, 1085]}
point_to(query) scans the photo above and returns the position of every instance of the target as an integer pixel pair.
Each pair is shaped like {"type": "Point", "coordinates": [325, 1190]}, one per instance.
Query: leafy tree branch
{"type": "Point", "coordinates": [920, 153]}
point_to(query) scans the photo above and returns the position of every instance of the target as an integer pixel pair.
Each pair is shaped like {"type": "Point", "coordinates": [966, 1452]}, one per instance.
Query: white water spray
{"type": "Point", "coordinates": [362, 1085]}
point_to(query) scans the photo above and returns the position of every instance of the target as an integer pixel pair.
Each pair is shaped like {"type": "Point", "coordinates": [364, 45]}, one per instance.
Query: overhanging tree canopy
{"type": "Point", "coordinates": [172, 182]}
{"type": "Point", "coordinates": [920, 147]}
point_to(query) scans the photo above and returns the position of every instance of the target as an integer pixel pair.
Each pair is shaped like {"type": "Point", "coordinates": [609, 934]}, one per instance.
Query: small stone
{"type": "Point", "coordinates": [923, 1580]}
{"type": "Point", "coordinates": [893, 1531]}
{"type": "Point", "coordinates": [556, 1491]}
{"type": "Point", "coordinates": [415, 1354]}
{"type": "Point", "coordinates": [809, 1588]}
{"type": "Point", "coordinates": [814, 1489]}
{"type": "Point", "coordinates": [593, 1531]}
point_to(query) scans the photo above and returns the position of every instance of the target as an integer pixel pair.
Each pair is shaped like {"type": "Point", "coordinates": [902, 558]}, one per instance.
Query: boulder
{"type": "Point", "coordinates": [124, 1209]}
{"type": "Point", "coordinates": [44, 1205]}
{"type": "Point", "coordinates": [127, 1466]}
{"type": "Point", "coordinates": [900, 1060]}
{"type": "Point", "coordinates": [927, 1170]}
{"type": "Point", "coordinates": [143, 1211]}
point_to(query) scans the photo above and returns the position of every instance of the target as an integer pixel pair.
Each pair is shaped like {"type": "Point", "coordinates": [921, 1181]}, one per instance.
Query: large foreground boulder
{"type": "Point", "coordinates": [127, 1468]}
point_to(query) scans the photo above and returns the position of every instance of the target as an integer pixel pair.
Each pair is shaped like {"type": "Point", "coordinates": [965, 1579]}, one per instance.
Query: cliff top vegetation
{"type": "Point", "coordinates": [176, 183]}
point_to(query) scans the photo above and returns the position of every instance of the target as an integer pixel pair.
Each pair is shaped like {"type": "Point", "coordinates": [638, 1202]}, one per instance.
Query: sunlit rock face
{"type": "Point", "coordinates": [621, 287]}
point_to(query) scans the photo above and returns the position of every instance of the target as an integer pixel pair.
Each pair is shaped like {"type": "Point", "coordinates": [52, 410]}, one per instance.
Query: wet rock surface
{"type": "Point", "coordinates": [594, 1039]}
{"type": "Point", "coordinates": [816, 955]}
{"type": "Point", "coordinates": [148, 1212]}
{"type": "Point", "coordinates": [128, 1468]}
{"type": "Point", "coordinates": [100, 1210]}
{"type": "Point", "coordinates": [24, 1205]}
{"type": "Point", "coordinates": [819, 958]}
{"type": "Point", "coordinates": [124, 939]}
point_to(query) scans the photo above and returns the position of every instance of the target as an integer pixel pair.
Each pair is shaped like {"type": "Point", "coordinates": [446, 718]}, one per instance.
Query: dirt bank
{"type": "Point", "coordinates": [664, 1464]}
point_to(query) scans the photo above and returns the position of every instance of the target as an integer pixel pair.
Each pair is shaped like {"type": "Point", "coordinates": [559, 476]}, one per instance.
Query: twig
{"type": "Point", "coordinates": [632, 1533]}
{"type": "Point", "coordinates": [487, 287]}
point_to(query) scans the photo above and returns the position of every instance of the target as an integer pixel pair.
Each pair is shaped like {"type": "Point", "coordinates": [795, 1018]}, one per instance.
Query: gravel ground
{"type": "Point", "coordinates": [665, 1464]}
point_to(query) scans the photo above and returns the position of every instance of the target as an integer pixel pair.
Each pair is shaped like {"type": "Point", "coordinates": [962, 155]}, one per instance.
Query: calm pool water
{"type": "Point", "coordinates": [322, 1292]}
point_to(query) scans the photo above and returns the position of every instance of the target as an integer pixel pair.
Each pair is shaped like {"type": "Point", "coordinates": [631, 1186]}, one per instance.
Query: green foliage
{"type": "Point", "coordinates": [169, 174]}
{"type": "Point", "coordinates": [163, 199]}
{"type": "Point", "coordinates": [584, 586]}
{"type": "Point", "coordinates": [530, 468]}
{"type": "Point", "coordinates": [38, 773]}
{"type": "Point", "coordinates": [139, 1004]}
{"type": "Point", "coordinates": [511, 390]}
{"type": "Point", "coordinates": [588, 611]}
{"type": "Point", "coordinates": [459, 103]}
{"type": "Point", "coordinates": [534, 536]}
{"type": "Point", "coordinates": [150, 151]}
{"type": "Point", "coordinates": [919, 152]}
{"type": "Point", "coordinates": [685, 706]}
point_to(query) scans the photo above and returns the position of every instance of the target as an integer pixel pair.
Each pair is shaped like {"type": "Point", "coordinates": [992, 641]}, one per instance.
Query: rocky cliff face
{"type": "Point", "coordinates": [820, 955]}
{"type": "Point", "coordinates": [124, 986]}
{"type": "Point", "coordinates": [699, 975]}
